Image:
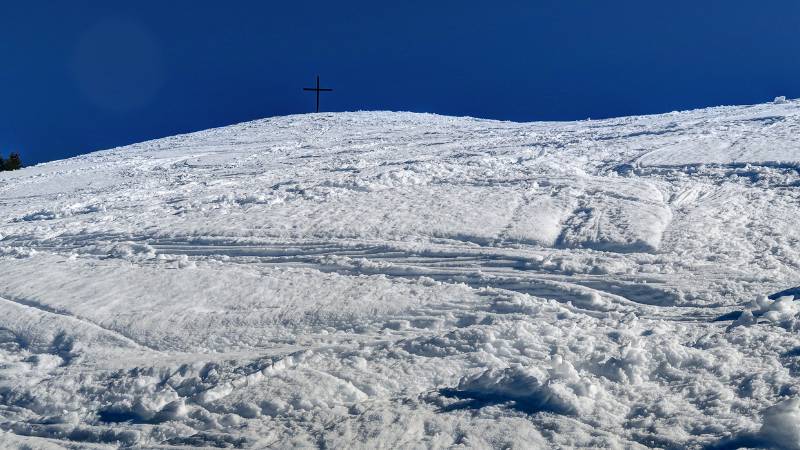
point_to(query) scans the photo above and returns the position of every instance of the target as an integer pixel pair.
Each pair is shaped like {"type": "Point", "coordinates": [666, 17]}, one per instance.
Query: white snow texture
{"type": "Point", "coordinates": [400, 280]}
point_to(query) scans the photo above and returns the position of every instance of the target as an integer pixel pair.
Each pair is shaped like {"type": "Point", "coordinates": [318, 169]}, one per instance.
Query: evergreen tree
{"type": "Point", "coordinates": [2, 163]}
{"type": "Point", "coordinates": [13, 162]}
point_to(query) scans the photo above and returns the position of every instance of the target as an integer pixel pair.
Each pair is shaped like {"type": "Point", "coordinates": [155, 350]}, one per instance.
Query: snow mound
{"type": "Point", "coordinates": [558, 389]}
{"type": "Point", "coordinates": [401, 280]}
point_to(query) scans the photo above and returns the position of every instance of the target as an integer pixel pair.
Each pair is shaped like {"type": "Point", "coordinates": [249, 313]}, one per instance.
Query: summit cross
{"type": "Point", "coordinates": [318, 90]}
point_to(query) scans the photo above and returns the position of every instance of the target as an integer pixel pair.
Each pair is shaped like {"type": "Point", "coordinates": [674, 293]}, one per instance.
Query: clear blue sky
{"type": "Point", "coordinates": [77, 76]}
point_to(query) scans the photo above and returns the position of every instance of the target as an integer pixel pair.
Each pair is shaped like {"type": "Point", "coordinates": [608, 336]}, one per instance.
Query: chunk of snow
{"type": "Point", "coordinates": [781, 425]}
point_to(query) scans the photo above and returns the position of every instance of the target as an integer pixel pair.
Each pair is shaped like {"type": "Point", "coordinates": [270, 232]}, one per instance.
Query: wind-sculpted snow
{"type": "Point", "coordinates": [398, 280]}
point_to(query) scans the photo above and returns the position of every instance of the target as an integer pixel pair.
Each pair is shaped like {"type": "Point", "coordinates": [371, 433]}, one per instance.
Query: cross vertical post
{"type": "Point", "coordinates": [318, 89]}
{"type": "Point", "coordinates": [317, 93]}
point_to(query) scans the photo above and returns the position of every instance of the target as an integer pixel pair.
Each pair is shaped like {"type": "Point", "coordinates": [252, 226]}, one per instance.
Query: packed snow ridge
{"type": "Point", "coordinates": [399, 280]}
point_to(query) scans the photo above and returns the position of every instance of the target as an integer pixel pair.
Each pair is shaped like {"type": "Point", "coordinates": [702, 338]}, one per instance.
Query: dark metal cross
{"type": "Point", "coordinates": [318, 90]}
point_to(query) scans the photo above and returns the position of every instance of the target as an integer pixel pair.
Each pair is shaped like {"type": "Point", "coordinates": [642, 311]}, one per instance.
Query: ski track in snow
{"type": "Point", "coordinates": [400, 280]}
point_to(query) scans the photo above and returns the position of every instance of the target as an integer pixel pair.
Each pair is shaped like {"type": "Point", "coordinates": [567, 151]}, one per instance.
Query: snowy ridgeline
{"type": "Point", "coordinates": [410, 280]}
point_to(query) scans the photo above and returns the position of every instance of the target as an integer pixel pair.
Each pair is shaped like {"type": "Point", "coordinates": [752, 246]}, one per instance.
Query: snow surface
{"type": "Point", "coordinates": [399, 280]}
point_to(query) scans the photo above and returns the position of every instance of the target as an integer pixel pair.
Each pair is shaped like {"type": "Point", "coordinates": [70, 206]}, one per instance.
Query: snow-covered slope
{"type": "Point", "coordinates": [410, 280]}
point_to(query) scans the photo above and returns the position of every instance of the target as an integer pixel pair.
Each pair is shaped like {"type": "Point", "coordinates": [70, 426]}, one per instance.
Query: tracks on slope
{"type": "Point", "coordinates": [540, 272]}
{"type": "Point", "coordinates": [481, 268]}
{"type": "Point", "coordinates": [68, 323]}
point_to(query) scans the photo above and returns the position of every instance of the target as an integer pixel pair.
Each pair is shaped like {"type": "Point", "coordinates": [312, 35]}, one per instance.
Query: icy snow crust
{"type": "Point", "coordinates": [400, 280]}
